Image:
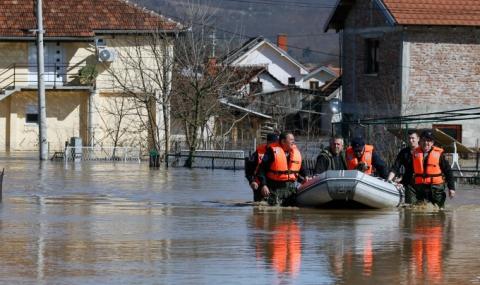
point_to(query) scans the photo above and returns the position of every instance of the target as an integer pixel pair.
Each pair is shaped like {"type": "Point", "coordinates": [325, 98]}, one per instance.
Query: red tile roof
{"type": "Point", "coordinates": [78, 18]}
{"type": "Point", "coordinates": [435, 12]}
{"type": "Point", "coordinates": [416, 12]}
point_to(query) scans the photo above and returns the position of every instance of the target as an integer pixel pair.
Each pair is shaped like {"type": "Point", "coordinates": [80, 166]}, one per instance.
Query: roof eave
{"type": "Point", "coordinates": [342, 8]}
{"type": "Point", "coordinates": [152, 31]}
{"type": "Point", "coordinates": [55, 38]}
{"type": "Point", "coordinates": [386, 12]}
{"type": "Point", "coordinates": [290, 58]}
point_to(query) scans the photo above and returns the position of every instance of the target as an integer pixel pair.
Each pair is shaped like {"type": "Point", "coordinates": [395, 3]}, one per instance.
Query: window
{"type": "Point", "coordinates": [256, 87]}
{"type": "Point", "coordinates": [314, 85]}
{"type": "Point", "coordinates": [371, 58]}
{"type": "Point", "coordinates": [31, 114]}
{"type": "Point", "coordinates": [291, 81]}
{"type": "Point", "coordinates": [455, 131]}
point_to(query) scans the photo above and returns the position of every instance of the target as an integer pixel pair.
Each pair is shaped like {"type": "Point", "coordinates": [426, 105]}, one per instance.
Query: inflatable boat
{"type": "Point", "coordinates": [349, 188]}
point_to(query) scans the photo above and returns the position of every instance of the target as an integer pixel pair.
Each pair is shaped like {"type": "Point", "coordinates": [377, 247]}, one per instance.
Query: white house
{"type": "Point", "coordinates": [279, 64]}
{"type": "Point", "coordinates": [319, 77]}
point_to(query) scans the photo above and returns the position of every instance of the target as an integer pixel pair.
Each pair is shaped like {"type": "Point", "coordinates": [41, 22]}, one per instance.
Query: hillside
{"type": "Point", "coordinates": [301, 20]}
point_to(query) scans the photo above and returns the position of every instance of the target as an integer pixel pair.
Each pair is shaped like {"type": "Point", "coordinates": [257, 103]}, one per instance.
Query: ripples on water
{"type": "Point", "coordinates": [101, 223]}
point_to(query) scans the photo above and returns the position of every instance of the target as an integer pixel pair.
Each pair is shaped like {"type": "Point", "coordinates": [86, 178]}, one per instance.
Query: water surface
{"type": "Point", "coordinates": [104, 223]}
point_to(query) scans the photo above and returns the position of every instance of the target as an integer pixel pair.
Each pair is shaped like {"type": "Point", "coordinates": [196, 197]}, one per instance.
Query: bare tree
{"type": "Point", "coordinates": [117, 120]}
{"type": "Point", "coordinates": [175, 76]}
{"type": "Point", "coordinates": [145, 76]}
{"type": "Point", "coordinates": [199, 80]}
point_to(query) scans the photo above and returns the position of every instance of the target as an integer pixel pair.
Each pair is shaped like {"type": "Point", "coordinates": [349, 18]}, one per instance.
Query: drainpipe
{"type": "Point", "coordinates": [91, 129]}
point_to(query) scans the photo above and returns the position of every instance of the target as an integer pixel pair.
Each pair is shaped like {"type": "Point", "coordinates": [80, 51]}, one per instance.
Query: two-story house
{"type": "Point", "coordinates": [404, 57]}
{"type": "Point", "coordinates": [84, 42]}
{"type": "Point", "coordinates": [279, 64]}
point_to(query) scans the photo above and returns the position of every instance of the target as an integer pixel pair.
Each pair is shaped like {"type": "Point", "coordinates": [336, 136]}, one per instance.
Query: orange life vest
{"type": "Point", "coordinates": [353, 161]}
{"type": "Point", "coordinates": [432, 174]}
{"type": "Point", "coordinates": [281, 169]}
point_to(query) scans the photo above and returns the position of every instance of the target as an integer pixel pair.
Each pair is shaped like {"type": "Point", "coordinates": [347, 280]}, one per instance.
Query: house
{"type": "Point", "coordinates": [281, 88]}
{"type": "Point", "coordinates": [320, 76]}
{"type": "Point", "coordinates": [259, 51]}
{"type": "Point", "coordinates": [84, 42]}
{"type": "Point", "coordinates": [404, 57]}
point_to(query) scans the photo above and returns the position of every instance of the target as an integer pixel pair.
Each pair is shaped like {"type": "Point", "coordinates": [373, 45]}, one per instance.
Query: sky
{"type": "Point", "coordinates": [302, 20]}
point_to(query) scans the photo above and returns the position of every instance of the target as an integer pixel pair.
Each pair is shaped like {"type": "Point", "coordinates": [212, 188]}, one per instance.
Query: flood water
{"type": "Point", "coordinates": [104, 223]}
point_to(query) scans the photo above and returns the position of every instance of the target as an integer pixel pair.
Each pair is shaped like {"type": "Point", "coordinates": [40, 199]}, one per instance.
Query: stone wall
{"type": "Point", "coordinates": [443, 74]}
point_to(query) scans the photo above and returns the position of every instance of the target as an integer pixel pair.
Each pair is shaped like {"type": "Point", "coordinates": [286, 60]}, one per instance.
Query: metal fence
{"type": "Point", "coordinates": [73, 153]}
{"type": "Point", "coordinates": [214, 159]}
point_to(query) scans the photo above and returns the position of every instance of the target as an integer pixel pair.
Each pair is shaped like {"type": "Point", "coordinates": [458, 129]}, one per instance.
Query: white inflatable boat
{"type": "Point", "coordinates": [348, 188]}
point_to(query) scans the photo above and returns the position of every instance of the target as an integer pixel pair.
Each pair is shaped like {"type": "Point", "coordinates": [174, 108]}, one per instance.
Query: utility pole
{"type": "Point", "coordinates": [42, 113]}
{"type": "Point", "coordinates": [214, 43]}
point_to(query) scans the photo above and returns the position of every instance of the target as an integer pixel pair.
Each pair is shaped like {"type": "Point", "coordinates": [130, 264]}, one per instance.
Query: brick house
{"type": "Point", "coordinates": [403, 57]}
{"type": "Point", "coordinates": [78, 34]}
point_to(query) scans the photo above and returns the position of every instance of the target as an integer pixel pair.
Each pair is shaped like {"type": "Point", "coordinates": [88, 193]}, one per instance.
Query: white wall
{"type": "Point", "coordinates": [269, 84]}
{"type": "Point", "coordinates": [280, 67]}
{"type": "Point", "coordinates": [322, 77]}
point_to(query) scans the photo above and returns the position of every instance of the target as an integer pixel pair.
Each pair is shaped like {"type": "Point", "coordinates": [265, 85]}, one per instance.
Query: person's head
{"type": "Point", "coordinates": [287, 140]}
{"type": "Point", "coordinates": [426, 140]}
{"type": "Point", "coordinates": [413, 139]}
{"type": "Point", "coordinates": [271, 138]}
{"type": "Point", "coordinates": [358, 146]}
{"type": "Point", "coordinates": [336, 145]}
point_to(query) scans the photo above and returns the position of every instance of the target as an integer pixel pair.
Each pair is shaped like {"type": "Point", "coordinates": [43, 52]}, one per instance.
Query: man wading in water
{"type": "Point", "coordinates": [281, 167]}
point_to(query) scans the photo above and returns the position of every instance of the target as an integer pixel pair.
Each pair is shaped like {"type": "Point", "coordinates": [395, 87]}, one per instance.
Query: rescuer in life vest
{"type": "Point", "coordinates": [281, 167]}
{"type": "Point", "coordinates": [402, 168]}
{"type": "Point", "coordinates": [253, 162]}
{"type": "Point", "coordinates": [363, 157]}
{"type": "Point", "coordinates": [430, 171]}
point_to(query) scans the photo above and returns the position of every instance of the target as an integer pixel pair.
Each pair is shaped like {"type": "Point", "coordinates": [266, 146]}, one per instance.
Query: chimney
{"type": "Point", "coordinates": [212, 65]}
{"type": "Point", "coordinates": [282, 41]}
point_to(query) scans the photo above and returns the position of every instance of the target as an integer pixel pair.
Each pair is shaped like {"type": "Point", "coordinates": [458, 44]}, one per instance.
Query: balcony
{"type": "Point", "coordinates": [57, 76]}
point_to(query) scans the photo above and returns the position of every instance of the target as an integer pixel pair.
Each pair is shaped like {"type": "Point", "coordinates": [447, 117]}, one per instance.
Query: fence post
{"type": "Point", "coordinates": [234, 164]}
{"type": "Point", "coordinates": [14, 75]}
{"type": "Point", "coordinates": [1, 183]}
{"type": "Point", "coordinates": [213, 163]}
{"type": "Point", "coordinates": [55, 76]}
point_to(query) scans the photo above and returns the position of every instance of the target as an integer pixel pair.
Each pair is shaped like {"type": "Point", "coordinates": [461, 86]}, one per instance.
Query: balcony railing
{"type": "Point", "coordinates": [25, 75]}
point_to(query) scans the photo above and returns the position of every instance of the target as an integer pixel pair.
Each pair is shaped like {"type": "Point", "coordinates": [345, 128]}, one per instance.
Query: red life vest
{"type": "Point", "coordinates": [261, 150]}
{"type": "Point", "coordinates": [432, 174]}
{"type": "Point", "coordinates": [281, 169]}
{"type": "Point", "coordinates": [353, 161]}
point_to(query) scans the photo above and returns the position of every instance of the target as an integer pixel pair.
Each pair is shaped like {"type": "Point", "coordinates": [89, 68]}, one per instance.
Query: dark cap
{"type": "Point", "coordinates": [427, 135]}
{"type": "Point", "coordinates": [272, 137]}
{"type": "Point", "coordinates": [357, 142]}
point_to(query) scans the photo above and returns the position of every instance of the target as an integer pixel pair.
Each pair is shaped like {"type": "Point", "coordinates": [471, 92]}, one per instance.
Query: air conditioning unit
{"type": "Point", "coordinates": [106, 54]}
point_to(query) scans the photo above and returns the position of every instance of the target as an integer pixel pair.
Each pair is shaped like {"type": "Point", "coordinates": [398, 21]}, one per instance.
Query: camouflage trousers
{"type": "Point", "coordinates": [283, 196]}
{"type": "Point", "coordinates": [419, 193]}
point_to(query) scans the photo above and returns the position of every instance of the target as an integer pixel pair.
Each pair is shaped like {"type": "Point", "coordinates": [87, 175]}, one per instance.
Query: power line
{"type": "Point", "coordinates": [344, 57]}
{"type": "Point", "coordinates": [413, 11]}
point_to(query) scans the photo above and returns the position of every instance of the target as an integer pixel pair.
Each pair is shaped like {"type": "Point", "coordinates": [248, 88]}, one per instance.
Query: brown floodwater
{"type": "Point", "coordinates": [104, 223]}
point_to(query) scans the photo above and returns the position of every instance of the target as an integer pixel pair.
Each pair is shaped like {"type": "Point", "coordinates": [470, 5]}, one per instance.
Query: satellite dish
{"type": "Point", "coordinates": [335, 105]}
